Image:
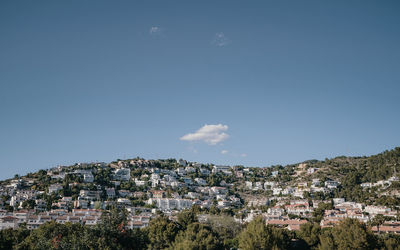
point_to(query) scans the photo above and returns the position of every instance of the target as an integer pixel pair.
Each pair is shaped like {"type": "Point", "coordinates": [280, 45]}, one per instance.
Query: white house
{"type": "Point", "coordinates": [54, 188]}
{"type": "Point", "coordinates": [276, 191]}
{"type": "Point", "coordinates": [124, 201]}
{"type": "Point", "coordinates": [222, 169]}
{"type": "Point", "coordinates": [274, 173]}
{"type": "Point", "coordinates": [182, 163]}
{"type": "Point", "coordinates": [122, 174]}
{"type": "Point", "coordinates": [258, 185]}
{"type": "Point", "coordinates": [366, 185]}
{"type": "Point", "coordinates": [200, 181]}
{"type": "Point", "coordinates": [110, 193]}
{"type": "Point", "coordinates": [332, 184]}
{"type": "Point", "coordinates": [337, 201]}
{"type": "Point", "coordinates": [155, 176]}
{"type": "Point", "coordinates": [88, 177]}
{"type": "Point", "coordinates": [89, 195]}
{"type": "Point", "coordinates": [316, 182]}
{"type": "Point", "coordinates": [8, 222]}
{"type": "Point", "coordinates": [204, 171]}
{"type": "Point", "coordinates": [190, 170]}
{"type": "Point", "coordinates": [288, 190]}
{"type": "Point", "coordinates": [311, 170]}
{"type": "Point", "coordinates": [269, 184]}
{"type": "Point", "coordinates": [181, 171]}
{"type": "Point", "coordinates": [170, 204]}
{"type": "Point", "coordinates": [140, 183]}
{"type": "Point", "coordinates": [377, 209]}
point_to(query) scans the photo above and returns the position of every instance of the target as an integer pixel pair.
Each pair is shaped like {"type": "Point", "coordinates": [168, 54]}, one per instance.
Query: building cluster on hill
{"type": "Point", "coordinates": [287, 197]}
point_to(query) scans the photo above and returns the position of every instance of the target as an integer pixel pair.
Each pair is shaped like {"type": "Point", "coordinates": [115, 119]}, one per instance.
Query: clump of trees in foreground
{"type": "Point", "coordinates": [219, 232]}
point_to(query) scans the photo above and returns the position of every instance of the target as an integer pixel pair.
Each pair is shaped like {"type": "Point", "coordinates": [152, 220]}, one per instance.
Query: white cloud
{"type": "Point", "coordinates": [221, 40]}
{"type": "Point", "coordinates": [210, 134]}
{"type": "Point", "coordinates": [224, 152]}
{"type": "Point", "coordinates": [243, 155]}
{"type": "Point", "coordinates": [154, 30]}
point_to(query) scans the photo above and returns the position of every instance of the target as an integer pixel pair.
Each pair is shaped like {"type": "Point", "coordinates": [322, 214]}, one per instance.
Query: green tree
{"type": "Point", "coordinates": [257, 235]}
{"type": "Point", "coordinates": [309, 232]}
{"type": "Point", "coordinates": [161, 233]}
{"type": "Point", "coordinates": [378, 220]}
{"type": "Point", "coordinates": [52, 235]}
{"type": "Point", "coordinates": [226, 228]}
{"type": "Point", "coordinates": [390, 241]}
{"type": "Point", "coordinates": [30, 204]}
{"type": "Point", "coordinates": [318, 213]}
{"type": "Point", "coordinates": [111, 231]}
{"type": "Point", "coordinates": [7, 240]}
{"type": "Point", "coordinates": [186, 217]}
{"type": "Point", "coordinates": [97, 205]}
{"type": "Point", "coordinates": [348, 234]}
{"type": "Point", "coordinates": [326, 240]}
{"type": "Point", "coordinates": [196, 236]}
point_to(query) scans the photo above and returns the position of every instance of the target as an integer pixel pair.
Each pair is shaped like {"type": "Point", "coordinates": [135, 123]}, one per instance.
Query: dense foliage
{"type": "Point", "coordinates": [220, 232]}
{"type": "Point", "coordinates": [257, 235]}
{"type": "Point", "coordinates": [352, 171]}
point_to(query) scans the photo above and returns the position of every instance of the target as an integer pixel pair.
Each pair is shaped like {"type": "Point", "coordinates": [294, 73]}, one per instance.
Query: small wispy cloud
{"type": "Point", "coordinates": [243, 155]}
{"type": "Point", "coordinates": [224, 152]}
{"type": "Point", "coordinates": [210, 134]}
{"type": "Point", "coordinates": [155, 30]}
{"type": "Point", "coordinates": [220, 39]}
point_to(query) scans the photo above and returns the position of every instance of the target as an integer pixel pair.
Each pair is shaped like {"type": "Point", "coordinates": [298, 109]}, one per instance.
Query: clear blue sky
{"type": "Point", "coordinates": [287, 81]}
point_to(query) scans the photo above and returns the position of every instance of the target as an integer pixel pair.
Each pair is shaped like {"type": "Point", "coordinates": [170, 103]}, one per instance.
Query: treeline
{"type": "Point", "coordinates": [217, 232]}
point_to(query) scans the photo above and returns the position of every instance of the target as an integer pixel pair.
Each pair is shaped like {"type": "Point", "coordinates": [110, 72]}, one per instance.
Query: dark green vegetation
{"type": "Point", "coordinates": [219, 232]}
{"type": "Point", "coordinates": [352, 171]}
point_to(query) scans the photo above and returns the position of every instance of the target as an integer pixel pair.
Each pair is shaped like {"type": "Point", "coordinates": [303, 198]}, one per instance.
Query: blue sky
{"type": "Point", "coordinates": [276, 82]}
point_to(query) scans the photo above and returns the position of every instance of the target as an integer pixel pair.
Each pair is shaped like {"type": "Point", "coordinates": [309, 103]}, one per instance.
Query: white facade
{"type": "Point", "coordinates": [332, 184]}
{"type": "Point", "coordinates": [269, 184]}
{"type": "Point", "coordinates": [182, 163]}
{"type": "Point", "coordinates": [258, 186]}
{"type": "Point", "coordinates": [337, 201]}
{"type": "Point", "coordinates": [377, 209]}
{"type": "Point", "coordinates": [8, 222]}
{"type": "Point", "coordinates": [201, 181]}
{"type": "Point", "coordinates": [276, 191]}
{"type": "Point", "coordinates": [110, 193]}
{"type": "Point", "coordinates": [54, 188]}
{"type": "Point", "coordinates": [204, 171]}
{"type": "Point", "coordinates": [190, 170]}
{"type": "Point", "coordinates": [88, 178]}
{"type": "Point", "coordinates": [171, 204]}
{"type": "Point", "coordinates": [140, 183]}
{"type": "Point", "coordinates": [222, 169]}
{"type": "Point", "coordinates": [316, 182]}
{"type": "Point", "coordinates": [122, 174]}
{"type": "Point", "coordinates": [181, 171]}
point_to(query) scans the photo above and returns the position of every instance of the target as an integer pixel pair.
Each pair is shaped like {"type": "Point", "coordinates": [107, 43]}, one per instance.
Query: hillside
{"type": "Point", "coordinates": [351, 172]}
{"type": "Point", "coordinates": [151, 194]}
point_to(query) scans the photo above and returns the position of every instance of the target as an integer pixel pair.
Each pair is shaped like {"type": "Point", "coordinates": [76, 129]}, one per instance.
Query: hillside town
{"type": "Point", "coordinates": [283, 196]}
